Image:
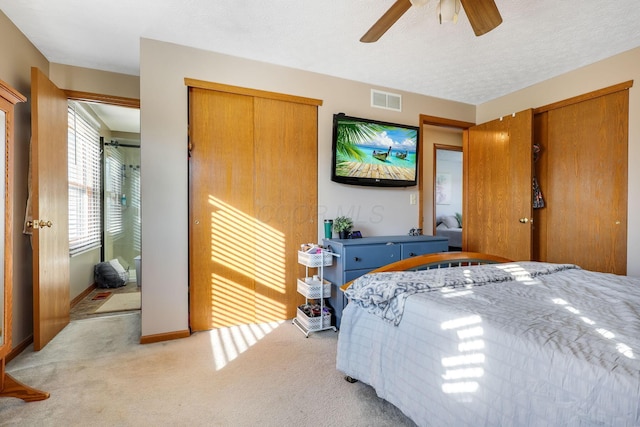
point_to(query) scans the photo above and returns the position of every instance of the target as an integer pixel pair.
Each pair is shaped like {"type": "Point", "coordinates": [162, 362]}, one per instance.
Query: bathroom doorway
{"type": "Point", "coordinates": [115, 212]}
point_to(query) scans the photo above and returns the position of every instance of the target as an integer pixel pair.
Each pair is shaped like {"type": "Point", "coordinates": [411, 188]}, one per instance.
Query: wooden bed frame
{"type": "Point", "coordinates": [438, 260]}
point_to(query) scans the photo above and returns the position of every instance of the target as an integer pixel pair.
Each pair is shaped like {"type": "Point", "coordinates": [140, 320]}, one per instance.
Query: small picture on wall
{"type": "Point", "coordinates": [443, 189]}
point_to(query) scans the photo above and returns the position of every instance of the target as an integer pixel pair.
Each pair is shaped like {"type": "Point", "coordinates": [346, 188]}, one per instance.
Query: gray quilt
{"type": "Point", "coordinates": [384, 294]}
{"type": "Point", "coordinates": [554, 346]}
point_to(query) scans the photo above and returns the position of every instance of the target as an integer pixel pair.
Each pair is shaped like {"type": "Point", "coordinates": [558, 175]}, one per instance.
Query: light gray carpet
{"type": "Point", "coordinates": [260, 375]}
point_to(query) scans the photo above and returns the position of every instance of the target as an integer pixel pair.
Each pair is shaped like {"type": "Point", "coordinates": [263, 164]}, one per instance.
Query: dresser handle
{"type": "Point", "coordinates": [412, 254]}
{"type": "Point", "coordinates": [356, 259]}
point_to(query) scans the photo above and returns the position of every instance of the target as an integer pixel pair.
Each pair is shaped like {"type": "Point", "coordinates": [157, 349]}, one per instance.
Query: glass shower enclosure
{"type": "Point", "coordinates": [122, 226]}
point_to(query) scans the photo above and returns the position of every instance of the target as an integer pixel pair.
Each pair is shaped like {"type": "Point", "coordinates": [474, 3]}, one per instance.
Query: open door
{"type": "Point", "coordinates": [49, 209]}
{"type": "Point", "coordinates": [498, 162]}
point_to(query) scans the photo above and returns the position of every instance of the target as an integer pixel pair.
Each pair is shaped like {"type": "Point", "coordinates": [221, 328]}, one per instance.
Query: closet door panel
{"type": "Point", "coordinates": [587, 184]}
{"type": "Point", "coordinates": [286, 172]}
{"type": "Point", "coordinates": [253, 201]}
{"type": "Point", "coordinates": [222, 226]}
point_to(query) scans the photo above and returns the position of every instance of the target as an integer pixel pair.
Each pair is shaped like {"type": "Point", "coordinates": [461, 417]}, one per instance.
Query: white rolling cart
{"type": "Point", "coordinates": [314, 287]}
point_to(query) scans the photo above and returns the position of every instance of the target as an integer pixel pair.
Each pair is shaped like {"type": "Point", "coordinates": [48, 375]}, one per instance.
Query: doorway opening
{"type": "Point", "coordinates": [444, 133]}
{"type": "Point", "coordinates": [448, 194]}
{"type": "Point", "coordinates": [119, 216]}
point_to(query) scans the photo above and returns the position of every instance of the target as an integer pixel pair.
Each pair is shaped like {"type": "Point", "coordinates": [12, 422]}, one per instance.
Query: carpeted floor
{"type": "Point", "coordinates": [253, 375]}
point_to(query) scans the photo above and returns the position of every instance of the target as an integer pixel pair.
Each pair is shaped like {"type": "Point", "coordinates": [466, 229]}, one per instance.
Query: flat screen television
{"type": "Point", "coordinates": [374, 153]}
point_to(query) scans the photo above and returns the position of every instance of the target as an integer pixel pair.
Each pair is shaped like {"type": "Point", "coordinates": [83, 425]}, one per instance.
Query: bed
{"type": "Point", "coordinates": [449, 226]}
{"type": "Point", "coordinates": [496, 344]}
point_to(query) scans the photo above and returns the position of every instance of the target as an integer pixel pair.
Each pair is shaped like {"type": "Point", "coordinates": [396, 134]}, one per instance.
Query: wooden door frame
{"type": "Point", "coordinates": [433, 121]}
{"type": "Point", "coordinates": [119, 101]}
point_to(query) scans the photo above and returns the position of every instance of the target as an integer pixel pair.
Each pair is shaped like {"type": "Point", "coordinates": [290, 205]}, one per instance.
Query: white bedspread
{"type": "Point", "coordinates": [557, 350]}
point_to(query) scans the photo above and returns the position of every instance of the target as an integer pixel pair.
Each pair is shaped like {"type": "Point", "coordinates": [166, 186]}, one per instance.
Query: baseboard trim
{"type": "Point", "coordinates": [82, 295]}
{"type": "Point", "coordinates": [19, 348]}
{"type": "Point", "coordinates": [167, 336]}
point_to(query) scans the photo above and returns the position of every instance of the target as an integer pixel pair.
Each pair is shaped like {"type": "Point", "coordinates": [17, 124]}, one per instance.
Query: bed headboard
{"type": "Point", "coordinates": [438, 260]}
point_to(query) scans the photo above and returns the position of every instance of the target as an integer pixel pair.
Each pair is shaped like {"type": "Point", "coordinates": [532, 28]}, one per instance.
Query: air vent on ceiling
{"type": "Point", "coordinates": [386, 100]}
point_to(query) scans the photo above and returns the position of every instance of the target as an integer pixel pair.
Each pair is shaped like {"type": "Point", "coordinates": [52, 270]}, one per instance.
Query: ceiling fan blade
{"type": "Point", "coordinates": [386, 21]}
{"type": "Point", "coordinates": [483, 15]}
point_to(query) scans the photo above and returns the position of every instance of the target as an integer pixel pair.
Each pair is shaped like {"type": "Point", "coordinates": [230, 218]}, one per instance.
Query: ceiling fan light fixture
{"type": "Point", "coordinates": [448, 11]}
{"type": "Point", "coordinates": [418, 3]}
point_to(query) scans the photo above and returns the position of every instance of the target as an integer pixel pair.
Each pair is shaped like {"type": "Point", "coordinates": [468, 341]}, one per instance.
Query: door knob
{"type": "Point", "coordinates": [39, 224]}
{"type": "Point", "coordinates": [524, 220]}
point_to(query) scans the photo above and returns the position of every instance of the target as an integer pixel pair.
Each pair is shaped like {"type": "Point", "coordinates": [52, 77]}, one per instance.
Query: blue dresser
{"type": "Point", "coordinates": [360, 256]}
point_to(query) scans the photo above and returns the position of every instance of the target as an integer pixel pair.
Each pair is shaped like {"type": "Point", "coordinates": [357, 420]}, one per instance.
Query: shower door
{"type": "Point", "coordinates": [122, 229]}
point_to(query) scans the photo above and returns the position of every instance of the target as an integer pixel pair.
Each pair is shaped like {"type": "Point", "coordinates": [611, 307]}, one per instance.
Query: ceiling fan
{"type": "Point", "coordinates": [483, 16]}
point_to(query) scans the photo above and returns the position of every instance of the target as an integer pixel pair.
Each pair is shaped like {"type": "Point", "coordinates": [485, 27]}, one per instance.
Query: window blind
{"type": "Point", "coordinates": [114, 180]}
{"type": "Point", "coordinates": [84, 181]}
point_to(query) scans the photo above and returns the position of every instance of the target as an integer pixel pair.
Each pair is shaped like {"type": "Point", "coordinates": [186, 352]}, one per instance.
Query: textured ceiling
{"type": "Point", "coordinates": [537, 40]}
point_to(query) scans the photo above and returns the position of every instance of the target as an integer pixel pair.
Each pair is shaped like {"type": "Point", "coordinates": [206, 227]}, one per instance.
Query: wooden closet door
{"type": "Point", "coordinates": [586, 184]}
{"type": "Point", "coordinates": [286, 201]}
{"type": "Point", "coordinates": [222, 225]}
{"type": "Point", "coordinates": [498, 190]}
{"type": "Point", "coordinates": [253, 201]}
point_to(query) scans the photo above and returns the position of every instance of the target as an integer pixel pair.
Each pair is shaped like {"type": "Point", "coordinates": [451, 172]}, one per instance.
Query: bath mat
{"type": "Point", "coordinates": [121, 302]}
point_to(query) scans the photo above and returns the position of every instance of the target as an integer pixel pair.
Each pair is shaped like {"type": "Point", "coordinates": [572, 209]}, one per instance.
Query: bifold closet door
{"type": "Point", "coordinates": [253, 201]}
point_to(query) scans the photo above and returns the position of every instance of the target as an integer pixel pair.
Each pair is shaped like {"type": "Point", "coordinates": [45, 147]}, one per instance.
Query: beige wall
{"type": "Point", "coordinates": [611, 71]}
{"type": "Point", "coordinates": [164, 161]}
{"type": "Point", "coordinates": [95, 81]}
{"type": "Point", "coordinates": [18, 56]}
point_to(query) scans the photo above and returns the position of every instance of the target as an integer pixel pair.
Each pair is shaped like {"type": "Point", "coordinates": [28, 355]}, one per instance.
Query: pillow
{"type": "Point", "coordinates": [459, 218]}
{"type": "Point", "coordinates": [450, 221]}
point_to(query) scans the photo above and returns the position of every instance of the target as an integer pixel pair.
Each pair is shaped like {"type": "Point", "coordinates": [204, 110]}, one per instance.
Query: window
{"type": "Point", "coordinates": [84, 180]}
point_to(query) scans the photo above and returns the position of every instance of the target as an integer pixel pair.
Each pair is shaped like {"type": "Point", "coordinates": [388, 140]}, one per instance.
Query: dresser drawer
{"type": "Point", "coordinates": [354, 274]}
{"type": "Point", "coordinates": [419, 248]}
{"type": "Point", "coordinates": [371, 256]}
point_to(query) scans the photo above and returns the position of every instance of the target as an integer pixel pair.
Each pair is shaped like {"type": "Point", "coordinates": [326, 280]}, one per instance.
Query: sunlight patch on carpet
{"type": "Point", "coordinates": [228, 343]}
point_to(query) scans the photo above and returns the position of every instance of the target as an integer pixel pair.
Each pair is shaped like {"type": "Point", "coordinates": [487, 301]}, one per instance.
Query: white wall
{"type": "Point", "coordinates": [453, 168]}
{"type": "Point", "coordinates": [611, 71]}
{"type": "Point", "coordinates": [163, 67]}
